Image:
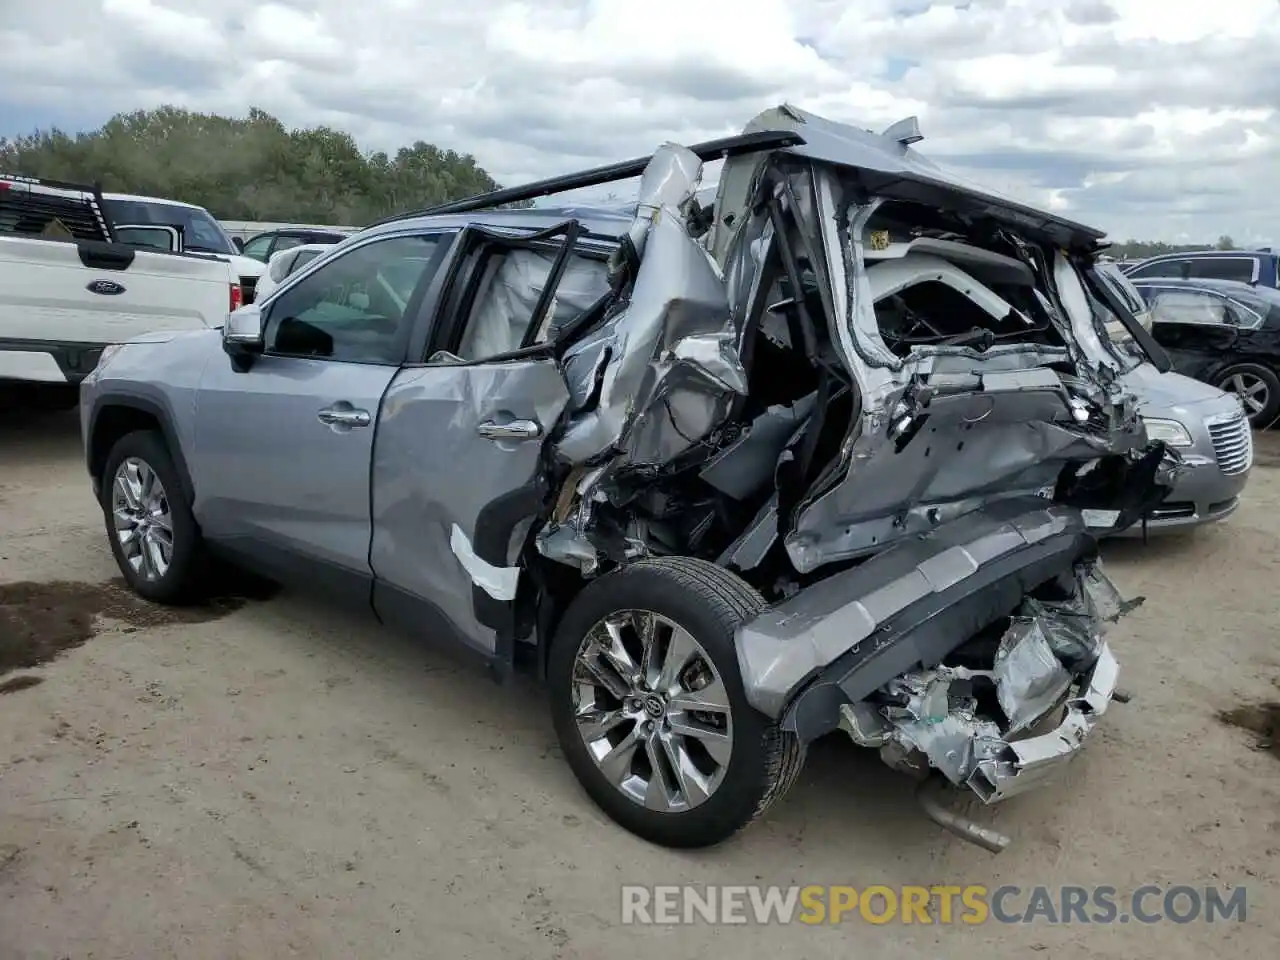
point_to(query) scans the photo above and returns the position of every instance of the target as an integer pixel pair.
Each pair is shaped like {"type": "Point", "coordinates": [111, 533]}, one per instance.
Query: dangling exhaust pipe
{"type": "Point", "coordinates": [928, 793]}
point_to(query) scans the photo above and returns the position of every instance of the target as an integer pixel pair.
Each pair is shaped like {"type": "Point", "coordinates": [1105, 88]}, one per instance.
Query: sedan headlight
{"type": "Point", "coordinates": [1169, 431]}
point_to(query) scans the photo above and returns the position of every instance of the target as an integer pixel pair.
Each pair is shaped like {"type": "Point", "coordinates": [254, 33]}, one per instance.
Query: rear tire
{"type": "Point", "coordinates": [153, 535]}
{"type": "Point", "coordinates": [709, 771]}
{"type": "Point", "coordinates": [1258, 389]}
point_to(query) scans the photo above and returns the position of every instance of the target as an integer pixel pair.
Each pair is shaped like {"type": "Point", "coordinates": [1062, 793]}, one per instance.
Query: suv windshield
{"type": "Point", "coordinates": [201, 233]}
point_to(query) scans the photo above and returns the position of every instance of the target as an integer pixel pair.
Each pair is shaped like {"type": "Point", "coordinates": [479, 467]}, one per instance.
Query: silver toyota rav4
{"type": "Point", "coordinates": [828, 454]}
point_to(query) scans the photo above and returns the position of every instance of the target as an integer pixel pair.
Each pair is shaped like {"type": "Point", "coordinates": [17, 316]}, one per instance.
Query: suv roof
{"type": "Point", "coordinates": [600, 223]}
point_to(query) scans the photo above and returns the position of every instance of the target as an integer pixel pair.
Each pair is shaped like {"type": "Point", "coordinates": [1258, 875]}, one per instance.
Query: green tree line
{"type": "Point", "coordinates": [250, 168]}
{"type": "Point", "coordinates": [1141, 249]}
{"type": "Point", "coordinates": [255, 168]}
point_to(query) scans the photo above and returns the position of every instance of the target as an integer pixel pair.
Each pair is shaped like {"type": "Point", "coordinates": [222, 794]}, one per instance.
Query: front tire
{"type": "Point", "coordinates": [153, 535]}
{"type": "Point", "coordinates": [649, 708]}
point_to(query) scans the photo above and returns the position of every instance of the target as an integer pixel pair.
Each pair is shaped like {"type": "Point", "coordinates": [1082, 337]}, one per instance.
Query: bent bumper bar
{"type": "Point", "coordinates": [905, 609]}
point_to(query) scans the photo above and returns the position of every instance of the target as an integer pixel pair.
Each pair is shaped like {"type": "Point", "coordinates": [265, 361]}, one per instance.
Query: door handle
{"type": "Point", "coordinates": [511, 430]}
{"type": "Point", "coordinates": [337, 417]}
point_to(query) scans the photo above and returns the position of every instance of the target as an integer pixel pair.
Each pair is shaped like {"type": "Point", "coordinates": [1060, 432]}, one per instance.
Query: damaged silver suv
{"type": "Point", "coordinates": [829, 453]}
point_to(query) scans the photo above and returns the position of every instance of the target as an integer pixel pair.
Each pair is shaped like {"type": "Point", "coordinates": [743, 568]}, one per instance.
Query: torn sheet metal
{"type": "Point", "coordinates": [1029, 678]}
{"type": "Point", "coordinates": [1074, 627]}
{"type": "Point", "coordinates": [1028, 763]}
{"type": "Point", "coordinates": [744, 466]}
{"type": "Point", "coordinates": [932, 718]}
{"type": "Point", "coordinates": [970, 448]}
{"type": "Point", "coordinates": [498, 582]}
{"type": "Point", "coordinates": [663, 369]}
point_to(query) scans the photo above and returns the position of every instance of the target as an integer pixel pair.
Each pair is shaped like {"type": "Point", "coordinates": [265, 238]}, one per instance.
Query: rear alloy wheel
{"type": "Point", "coordinates": [652, 710]}
{"type": "Point", "coordinates": [648, 703]}
{"type": "Point", "coordinates": [1257, 389]}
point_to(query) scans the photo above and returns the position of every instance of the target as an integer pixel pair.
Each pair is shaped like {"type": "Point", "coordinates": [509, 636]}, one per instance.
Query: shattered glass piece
{"type": "Point", "coordinates": [1029, 678]}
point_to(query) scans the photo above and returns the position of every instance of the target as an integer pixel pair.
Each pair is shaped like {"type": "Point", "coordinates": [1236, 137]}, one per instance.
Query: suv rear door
{"type": "Point", "coordinates": [1196, 326]}
{"type": "Point", "coordinates": [457, 470]}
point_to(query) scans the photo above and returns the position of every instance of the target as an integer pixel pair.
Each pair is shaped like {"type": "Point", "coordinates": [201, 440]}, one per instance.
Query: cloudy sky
{"type": "Point", "coordinates": [1154, 119]}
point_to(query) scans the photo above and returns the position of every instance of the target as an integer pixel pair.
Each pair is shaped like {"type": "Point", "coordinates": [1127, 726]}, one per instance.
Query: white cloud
{"type": "Point", "coordinates": [1145, 117]}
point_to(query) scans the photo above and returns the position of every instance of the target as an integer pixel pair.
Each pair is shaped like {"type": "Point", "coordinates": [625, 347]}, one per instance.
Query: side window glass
{"type": "Point", "coordinates": [511, 282]}
{"type": "Point", "coordinates": [1223, 268]}
{"type": "Point", "coordinates": [257, 248]}
{"type": "Point", "coordinates": [286, 242]}
{"type": "Point", "coordinates": [355, 308]}
{"type": "Point", "coordinates": [1177, 306]}
{"type": "Point", "coordinates": [1165, 268]}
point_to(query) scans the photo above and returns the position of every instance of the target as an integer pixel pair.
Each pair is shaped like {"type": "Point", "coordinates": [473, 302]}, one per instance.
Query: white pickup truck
{"type": "Point", "coordinates": [72, 282]}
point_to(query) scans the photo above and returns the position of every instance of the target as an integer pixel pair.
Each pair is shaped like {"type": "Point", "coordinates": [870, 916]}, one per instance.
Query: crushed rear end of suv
{"type": "Point", "coordinates": [830, 453]}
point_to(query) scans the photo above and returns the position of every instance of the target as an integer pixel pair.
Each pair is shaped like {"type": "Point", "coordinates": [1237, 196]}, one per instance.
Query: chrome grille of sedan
{"type": "Point", "coordinates": [1232, 445]}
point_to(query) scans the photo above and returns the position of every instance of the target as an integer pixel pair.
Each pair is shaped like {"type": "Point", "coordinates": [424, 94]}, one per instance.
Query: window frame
{"type": "Point", "coordinates": [418, 310]}
{"type": "Point", "coordinates": [1231, 306]}
{"type": "Point", "coordinates": [1135, 274]}
{"type": "Point", "coordinates": [461, 286]}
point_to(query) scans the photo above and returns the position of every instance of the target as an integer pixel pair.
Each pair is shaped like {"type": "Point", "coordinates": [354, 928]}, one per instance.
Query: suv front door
{"type": "Point", "coordinates": [283, 448]}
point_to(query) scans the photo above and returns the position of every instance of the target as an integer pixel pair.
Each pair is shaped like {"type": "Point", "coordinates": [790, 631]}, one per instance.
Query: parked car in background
{"type": "Point", "coordinates": [1258, 267]}
{"type": "Point", "coordinates": [287, 261]}
{"type": "Point", "coordinates": [266, 245]}
{"type": "Point", "coordinates": [1202, 422]}
{"type": "Point", "coordinates": [241, 231]}
{"type": "Point", "coordinates": [1223, 333]}
{"type": "Point", "coordinates": [201, 233]}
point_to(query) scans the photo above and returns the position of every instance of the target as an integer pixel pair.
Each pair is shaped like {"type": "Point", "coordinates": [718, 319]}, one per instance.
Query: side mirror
{"type": "Point", "coordinates": [239, 244]}
{"type": "Point", "coordinates": [242, 336]}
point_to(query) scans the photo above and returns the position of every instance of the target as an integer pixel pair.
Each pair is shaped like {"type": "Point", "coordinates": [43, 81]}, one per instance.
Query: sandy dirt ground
{"type": "Point", "coordinates": [266, 778]}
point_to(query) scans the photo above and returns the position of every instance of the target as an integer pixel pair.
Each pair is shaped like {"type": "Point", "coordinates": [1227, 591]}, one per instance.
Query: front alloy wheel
{"type": "Point", "coordinates": [154, 537]}
{"type": "Point", "coordinates": [143, 520]}
{"type": "Point", "coordinates": [652, 711]}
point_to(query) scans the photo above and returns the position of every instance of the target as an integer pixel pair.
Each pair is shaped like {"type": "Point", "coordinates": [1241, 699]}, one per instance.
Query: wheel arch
{"type": "Point", "coordinates": [115, 416]}
{"type": "Point", "coordinates": [1245, 358]}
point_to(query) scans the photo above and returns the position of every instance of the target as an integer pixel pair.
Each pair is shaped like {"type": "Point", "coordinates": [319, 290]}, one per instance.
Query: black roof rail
{"type": "Point", "coordinates": [611, 173]}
